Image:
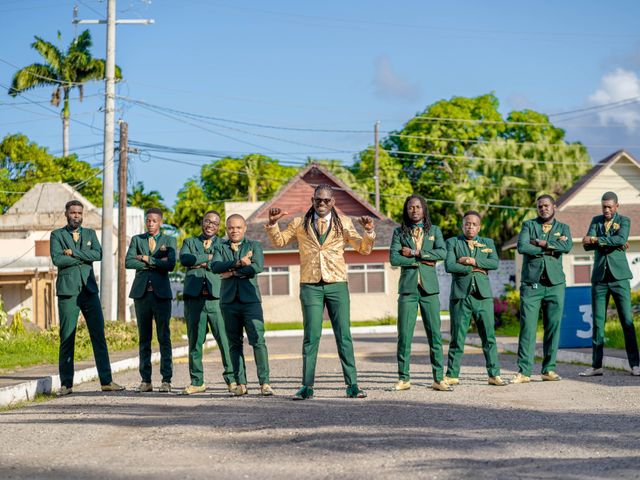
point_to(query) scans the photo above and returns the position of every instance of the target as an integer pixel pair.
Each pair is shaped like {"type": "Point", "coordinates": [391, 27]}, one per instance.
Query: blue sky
{"type": "Point", "coordinates": [326, 65]}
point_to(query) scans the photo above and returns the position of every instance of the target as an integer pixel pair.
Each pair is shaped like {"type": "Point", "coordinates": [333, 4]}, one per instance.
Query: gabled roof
{"type": "Point", "coordinates": [295, 196]}
{"type": "Point", "coordinates": [578, 217]}
{"type": "Point", "coordinates": [42, 208]}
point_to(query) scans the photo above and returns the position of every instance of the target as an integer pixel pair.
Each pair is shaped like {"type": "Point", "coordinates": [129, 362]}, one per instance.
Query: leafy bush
{"type": "Point", "coordinates": [507, 308]}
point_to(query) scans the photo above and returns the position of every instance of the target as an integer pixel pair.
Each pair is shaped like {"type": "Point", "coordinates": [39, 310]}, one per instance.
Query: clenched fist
{"type": "Point", "coordinates": [276, 214]}
{"type": "Point", "coordinates": [367, 223]}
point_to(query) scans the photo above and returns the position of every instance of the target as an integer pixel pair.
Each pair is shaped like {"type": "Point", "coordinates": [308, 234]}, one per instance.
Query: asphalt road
{"type": "Point", "coordinates": [576, 428]}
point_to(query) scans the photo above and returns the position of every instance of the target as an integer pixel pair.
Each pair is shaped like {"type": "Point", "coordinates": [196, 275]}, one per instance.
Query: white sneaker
{"type": "Point", "coordinates": [635, 371]}
{"type": "Point", "coordinates": [593, 372]}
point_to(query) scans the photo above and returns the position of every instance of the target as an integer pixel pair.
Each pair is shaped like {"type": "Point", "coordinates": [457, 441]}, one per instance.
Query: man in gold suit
{"type": "Point", "coordinates": [322, 235]}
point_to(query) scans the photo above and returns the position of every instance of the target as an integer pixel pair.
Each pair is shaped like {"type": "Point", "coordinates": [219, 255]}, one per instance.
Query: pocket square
{"type": "Point", "coordinates": [486, 250]}
{"type": "Point", "coordinates": [557, 234]}
{"type": "Point", "coordinates": [432, 238]}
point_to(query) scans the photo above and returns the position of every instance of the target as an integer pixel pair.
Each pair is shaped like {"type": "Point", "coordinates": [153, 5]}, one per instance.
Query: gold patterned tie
{"type": "Point", "coordinates": [418, 236]}
{"type": "Point", "coordinates": [152, 244]}
{"type": "Point", "coordinates": [546, 227]}
{"type": "Point", "coordinates": [607, 225]}
{"type": "Point", "coordinates": [75, 235]}
{"type": "Point", "coordinates": [235, 246]}
{"type": "Point", "coordinates": [472, 244]}
{"type": "Point", "coordinates": [322, 226]}
{"type": "Point", "coordinates": [207, 243]}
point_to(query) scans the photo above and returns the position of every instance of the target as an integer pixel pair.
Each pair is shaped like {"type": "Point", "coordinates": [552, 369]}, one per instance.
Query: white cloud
{"type": "Point", "coordinates": [615, 86]}
{"type": "Point", "coordinates": [388, 84]}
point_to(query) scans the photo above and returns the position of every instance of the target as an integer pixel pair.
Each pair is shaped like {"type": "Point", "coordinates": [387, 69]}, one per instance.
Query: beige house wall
{"type": "Point", "coordinates": [364, 306]}
{"type": "Point", "coordinates": [623, 177]}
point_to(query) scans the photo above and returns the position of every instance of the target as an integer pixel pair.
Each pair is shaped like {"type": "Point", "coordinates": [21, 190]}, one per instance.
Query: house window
{"type": "Point", "coordinates": [582, 269]}
{"type": "Point", "coordinates": [367, 278]}
{"type": "Point", "coordinates": [274, 281]}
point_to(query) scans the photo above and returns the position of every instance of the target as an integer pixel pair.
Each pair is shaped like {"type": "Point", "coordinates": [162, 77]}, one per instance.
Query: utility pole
{"type": "Point", "coordinates": [122, 220]}
{"type": "Point", "coordinates": [376, 163]}
{"type": "Point", "coordinates": [106, 266]}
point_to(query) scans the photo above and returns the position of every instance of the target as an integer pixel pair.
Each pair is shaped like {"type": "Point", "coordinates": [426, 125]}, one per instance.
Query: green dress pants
{"type": "Point", "coordinates": [532, 298]}
{"type": "Point", "coordinates": [314, 297]}
{"type": "Point", "coordinates": [200, 312]}
{"type": "Point", "coordinates": [621, 293]}
{"type": "Point", "coordinates": [429, 305]}
{"type": "Point", "coordinates": [69, 307]}
{"type": "Point", "coordinates": [148, 308]}
{"type": "Point", "coordinates": [481, 309]}
{"type": "Point", "coordinates": [248, 316]}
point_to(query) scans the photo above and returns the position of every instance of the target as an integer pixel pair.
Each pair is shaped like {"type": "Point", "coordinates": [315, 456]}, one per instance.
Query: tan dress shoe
{"type": "Point", "coordinates": [497, 381]}
{"type": "Point", "coordinates": [111, 387]}
{"type": "Point", "coordinates": [401, 385]}
{"type": "Point", "coordinates": [266, 390]}
{"type": "Point", "coordinates": [240, 390]}
{"type": "Point", "coordinates": [64, 391]}
{"type": "Point", "coordinates": [452, 381]}
{"type": "Point", "coordinates": [520, 378]}
{"type": "Point", "coordinates": [441, 386]}
{"type": "Point", "coordinates": [144, 387]}
{"type": "Point", "coordinates": [550, 377]}
{"type": "Point", "coordinates": [232, 386]}
{"type": "Point", "coordinates": [191, 389]}
{"type": "Point", "coordinates": [165, 387]}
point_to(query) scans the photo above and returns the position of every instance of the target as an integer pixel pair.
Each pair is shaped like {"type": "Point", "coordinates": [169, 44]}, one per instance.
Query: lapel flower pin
{"type": "Point", "coordinates": [163, 248]}
{"type": "Point", "coordinates": [486, 250]}
{"type": "Point", "coordinates": [432, 238]}
{"type": "Point", "coordinates": [557, 234]}
{"type": "Point", "coordinates": [616, 226]}
{"type": "Point", "coordinates": [89, 243]}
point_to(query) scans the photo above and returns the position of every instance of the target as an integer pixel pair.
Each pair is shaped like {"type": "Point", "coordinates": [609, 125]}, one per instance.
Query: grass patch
{"type": "Point", "coordinates": [39, 398]}
{"type": "Point", "coordinates": [613, 336]}
{"type": "Point", "coordinates": [41, 347]}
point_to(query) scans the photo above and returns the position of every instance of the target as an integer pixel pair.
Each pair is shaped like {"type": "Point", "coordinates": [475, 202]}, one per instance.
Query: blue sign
{"type": "Point", "coordinates": [576, 328]}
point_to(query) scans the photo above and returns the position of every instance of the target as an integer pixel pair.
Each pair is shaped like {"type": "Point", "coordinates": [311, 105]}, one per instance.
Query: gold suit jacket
{"type": "Point", "coordinates": [322, 262]}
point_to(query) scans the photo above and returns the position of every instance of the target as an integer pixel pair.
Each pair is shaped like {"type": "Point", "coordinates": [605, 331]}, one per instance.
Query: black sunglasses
{"type": "Point", "coordinates": [319, 201]}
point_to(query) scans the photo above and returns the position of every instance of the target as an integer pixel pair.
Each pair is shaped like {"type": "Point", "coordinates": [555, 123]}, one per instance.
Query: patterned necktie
{"type": "Point", "coordinates": [418, 236]}
{"type": "Point", "coordinates": [152, 244]}
{"type": "Point", "coordinates": [607, 225]}
{"type": "Point", "coordinates": [235, 246]}
{"type": "Point", "coordinates": [75, 235]}
{"type": "Point", "coordinates": [322, 226]}
{"type": "Point", "coordinates": [472, 244]}
{"type": "Point", "coordinates": [546, 227]}
{"type": "Point", "coordinates": [207, 243]}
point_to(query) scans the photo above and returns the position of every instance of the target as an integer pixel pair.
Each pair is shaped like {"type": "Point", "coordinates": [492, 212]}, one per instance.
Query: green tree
{"type": "Point", "coordinates": [138, 197]}
{"type": "Point", "coordinates": [464, 155]}
{"type": "Point", "coordinates": [394, 183]}
{"type": "Point", "coordinates": [191, 205]}
{"type": "Point", "coordinates": [62, 70]}
{"type": "Point", "coordinates": [24, 163]}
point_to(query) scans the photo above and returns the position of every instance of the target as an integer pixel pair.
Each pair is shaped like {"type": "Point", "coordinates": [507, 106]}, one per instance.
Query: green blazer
{"type": "Point", "coordinates": [462, 276]}
{"type": "Point", "coordinates": [157, 272]}
{"type": "Point", "coordinates": [193, 253]}
{"type": "Point", "coordinates": [243, 286]}
{"type": "Point", "coordinates": [433, 249]}
{"type": "Point", "coordinates": [75, 272]}
{"type": "Point", "coordinates": [536, 259]}
{"type": "Point", "coordinates": [609, 252]}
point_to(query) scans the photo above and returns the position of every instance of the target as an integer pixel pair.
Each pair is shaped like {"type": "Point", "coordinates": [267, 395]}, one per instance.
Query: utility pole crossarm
{"type": "Point", "coordinates": [146, 21]}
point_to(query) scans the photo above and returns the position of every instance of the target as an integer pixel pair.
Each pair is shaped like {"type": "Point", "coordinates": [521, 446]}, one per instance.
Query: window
{"type": "Point", "coordinates": [274, 281]}
{"type": "Point", "coordinates": [367, 278]}
{"type": "Point", "coordinates": [582, 269]}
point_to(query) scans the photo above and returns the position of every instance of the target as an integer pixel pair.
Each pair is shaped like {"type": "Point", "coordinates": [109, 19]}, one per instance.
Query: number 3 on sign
{"type": "Point", "coordinates": [588, 319]}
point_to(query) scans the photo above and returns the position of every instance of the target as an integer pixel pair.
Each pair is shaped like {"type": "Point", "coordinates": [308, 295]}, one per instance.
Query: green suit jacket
{"type": "Point", "coordinates": [462, 275]}
{"type": "Point", "coordinates": [609, 252]}
{"type": "Point", "coordinates": [433, 249]}
{"type": "Point", "coordinates": [537, 259]}
{"type": "Point", "coordinates": [243, 286]}
{"type": "Point", "coordinates": [76, 271]}
{"type": "Point", "coordinates": [193, 254]}
{"type": "Point", "coordinates": [162, 261]}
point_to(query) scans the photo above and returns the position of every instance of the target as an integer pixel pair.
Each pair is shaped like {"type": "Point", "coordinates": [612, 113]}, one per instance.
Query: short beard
{"type": "Point", "coordinates": [73, 224]}
{"type": "Point", "coordinates": [542, 220]}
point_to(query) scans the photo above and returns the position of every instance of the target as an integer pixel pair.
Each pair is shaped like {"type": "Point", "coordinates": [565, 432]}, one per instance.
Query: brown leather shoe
{"type": "Point", "coordinates": [520, 378]}
{"type": "Point", "coordinates": [64, 391]}
{"type": "Point", "coordinates": [144, 387]}
{"type": "Point", "coordinates": [497, 381]}
{"type": "Point", "coordinates": [550, 376]}
{"type": "Point", "coordinates": [165, 387]}
{"type": "Point", "coordinates": [441, 386]}
{"type": "Point", "coordinates": [111, 387]}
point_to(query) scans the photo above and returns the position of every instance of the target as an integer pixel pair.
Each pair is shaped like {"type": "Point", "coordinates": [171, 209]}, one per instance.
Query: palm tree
{"type": "Point", "coordinates": [64, 71]}
{"type": "Point", "coordinates": [138, 197]}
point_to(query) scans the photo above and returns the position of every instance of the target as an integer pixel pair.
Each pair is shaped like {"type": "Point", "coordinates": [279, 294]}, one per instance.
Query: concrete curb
{"type": "Point", "coordinates": [27, 391]}
{"type": "Point", "coordinates": [564, 356]}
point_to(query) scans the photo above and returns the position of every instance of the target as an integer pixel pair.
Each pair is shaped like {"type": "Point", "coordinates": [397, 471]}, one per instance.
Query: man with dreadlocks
{"type": "Point", "coordinates": [416, 247]}
{"type": "Point", "coordinates": [322, 235]}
